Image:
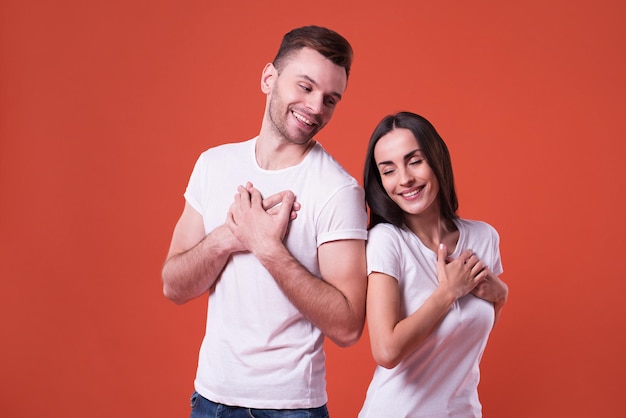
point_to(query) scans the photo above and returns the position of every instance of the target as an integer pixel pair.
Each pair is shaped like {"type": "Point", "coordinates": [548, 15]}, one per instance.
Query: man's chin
{"type": "Point", "coordinates": [302, 139]}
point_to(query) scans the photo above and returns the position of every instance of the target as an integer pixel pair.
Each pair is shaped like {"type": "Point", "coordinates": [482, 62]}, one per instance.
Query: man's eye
{"type": "Point", "coordinates": [305, 88]}
{"type": "Point", "coordinates": [330, 102]}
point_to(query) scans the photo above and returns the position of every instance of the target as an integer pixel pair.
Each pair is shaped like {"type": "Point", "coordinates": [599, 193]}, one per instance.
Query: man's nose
{"type": "Point", "coordinates": [315, 102]}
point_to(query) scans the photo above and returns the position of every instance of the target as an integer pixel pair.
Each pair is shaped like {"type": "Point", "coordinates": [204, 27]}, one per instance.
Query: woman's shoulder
{"type": "Point", "coordinates": [476, 226]}
{"type": "Point", "coordinates": [386, 232]}
{"type": "Point", "coordinates": [385, 228]}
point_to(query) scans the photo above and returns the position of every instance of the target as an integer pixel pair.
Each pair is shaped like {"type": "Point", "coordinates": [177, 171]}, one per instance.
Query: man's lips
{"type": "Point", "coordinates": [304, 119]}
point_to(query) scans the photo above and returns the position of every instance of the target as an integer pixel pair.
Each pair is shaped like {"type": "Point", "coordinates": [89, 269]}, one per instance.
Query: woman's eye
{"type": "Point", "coordinates": [415, 162]}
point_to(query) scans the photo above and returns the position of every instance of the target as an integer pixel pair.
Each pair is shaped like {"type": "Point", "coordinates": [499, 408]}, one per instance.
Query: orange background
{"type": "Point", "coordinates": [104, 107]}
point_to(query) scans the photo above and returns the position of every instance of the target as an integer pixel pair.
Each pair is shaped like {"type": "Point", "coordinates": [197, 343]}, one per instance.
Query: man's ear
{"type": "Point", "coordinates": [268, 77]}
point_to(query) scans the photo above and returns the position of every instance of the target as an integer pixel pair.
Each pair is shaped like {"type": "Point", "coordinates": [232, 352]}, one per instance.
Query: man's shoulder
{"type": "Point", "coordinates": [329, 167]}
{"type": "Point", "coordinates": [230, 147]}
{"type": "Point", "coordinates": [226, 152]}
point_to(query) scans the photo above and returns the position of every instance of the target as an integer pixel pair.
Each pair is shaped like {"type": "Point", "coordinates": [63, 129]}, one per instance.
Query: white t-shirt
{"type": "Point", "coordinates": [440, 378]}
{"type": "Point", "coordinates": [259, 351]}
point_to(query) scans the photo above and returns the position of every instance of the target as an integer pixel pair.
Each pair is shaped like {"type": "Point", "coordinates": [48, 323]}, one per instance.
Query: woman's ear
{"type": "Point", "coordinates": [267, 77]}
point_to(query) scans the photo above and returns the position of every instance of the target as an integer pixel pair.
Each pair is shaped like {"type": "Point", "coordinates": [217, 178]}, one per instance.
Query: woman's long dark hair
{"type": "Point", "coordinates": [382, 207]}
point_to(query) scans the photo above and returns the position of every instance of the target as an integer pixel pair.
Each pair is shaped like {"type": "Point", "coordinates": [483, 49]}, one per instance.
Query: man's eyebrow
{"type": "Point", "coordinates": [310, 80]}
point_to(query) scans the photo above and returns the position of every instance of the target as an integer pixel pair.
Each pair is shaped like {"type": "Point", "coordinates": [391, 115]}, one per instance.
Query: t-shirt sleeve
{"type": "Point", "coordinates": [344, 216]}
{"type": "Point", "coordinates": [496, 267]}
{"type": "Point", "coordinates": [384, 254]}
{"type": "Point", "coordinates": [195, 186]}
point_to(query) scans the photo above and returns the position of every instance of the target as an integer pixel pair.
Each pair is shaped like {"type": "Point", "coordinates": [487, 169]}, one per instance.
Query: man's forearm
{"type": "Point", "coordinates": [323, 304]}
{"type": "Point", "coordinates": [188, 274]}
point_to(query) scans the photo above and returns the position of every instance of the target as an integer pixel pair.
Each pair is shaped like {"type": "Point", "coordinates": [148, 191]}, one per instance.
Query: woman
{"type": "Point", "coordinates": [433, 287]}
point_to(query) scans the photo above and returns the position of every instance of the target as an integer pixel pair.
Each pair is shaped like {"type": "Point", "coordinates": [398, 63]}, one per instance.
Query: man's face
{"type": "Point", "coordinates": [302, 98]}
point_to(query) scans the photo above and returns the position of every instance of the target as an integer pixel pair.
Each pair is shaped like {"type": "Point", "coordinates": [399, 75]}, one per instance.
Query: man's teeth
{"type": "Point", "coordinates": [302, 118]}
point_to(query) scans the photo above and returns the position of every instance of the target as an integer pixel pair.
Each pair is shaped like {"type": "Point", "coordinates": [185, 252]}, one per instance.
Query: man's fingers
{"type": "Point", "coordinates": [242, 195]}
{"type": "Point", "coordinates": [255, 197]}
{"type": "Point", "coordinates": [273, 200]}
{"type": "Point", "coordinates": [287, 205]}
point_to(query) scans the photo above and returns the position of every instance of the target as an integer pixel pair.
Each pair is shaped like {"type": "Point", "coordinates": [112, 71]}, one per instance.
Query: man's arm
{"type": "Point", "coordinates": [336, 304]}
{"type": "Point", "coordinates": [194, 261]}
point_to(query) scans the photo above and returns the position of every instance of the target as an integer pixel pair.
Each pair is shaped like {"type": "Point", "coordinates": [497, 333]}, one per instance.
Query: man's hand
{"type": "Point", "coordinates": [272, 204]}
{"type": "Point", "coordinates": [257, 223]}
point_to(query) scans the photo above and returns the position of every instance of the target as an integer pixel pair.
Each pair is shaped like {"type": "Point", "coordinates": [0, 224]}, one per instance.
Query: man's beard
{"type": "Point", "coordinates": [279, 114]}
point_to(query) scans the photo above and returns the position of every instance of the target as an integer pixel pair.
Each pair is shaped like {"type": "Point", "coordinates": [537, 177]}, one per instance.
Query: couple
{"type": "Point", "coordinates": [276, 231]}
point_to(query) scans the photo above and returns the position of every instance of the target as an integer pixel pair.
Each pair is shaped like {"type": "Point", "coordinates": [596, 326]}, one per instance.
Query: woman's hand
{"type": "Point", "coordinates": [494, 290]}
{"type": "Point", "coordinates": [459, 276]}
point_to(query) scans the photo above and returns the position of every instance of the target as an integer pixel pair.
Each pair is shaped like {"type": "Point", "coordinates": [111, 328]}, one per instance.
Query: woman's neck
{"type": "Point", "coordinates": [433, 230]}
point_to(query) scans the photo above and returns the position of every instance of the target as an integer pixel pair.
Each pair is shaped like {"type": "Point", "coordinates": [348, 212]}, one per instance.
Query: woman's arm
{"type": "Point", "coordinates": [494, 290]}
{"type": "Point", "coordinates": [393, 338]}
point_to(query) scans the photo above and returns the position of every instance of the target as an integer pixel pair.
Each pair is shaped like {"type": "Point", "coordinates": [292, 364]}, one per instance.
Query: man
{"type": "Point", "coordinates": [284, 262]}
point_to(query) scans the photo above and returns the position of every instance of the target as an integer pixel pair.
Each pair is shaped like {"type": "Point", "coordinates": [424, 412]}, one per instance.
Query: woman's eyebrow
{"type": "Point", "coordinates": [406, 157]}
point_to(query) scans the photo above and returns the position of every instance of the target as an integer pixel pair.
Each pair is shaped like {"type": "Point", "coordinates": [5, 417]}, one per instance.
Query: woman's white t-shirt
{"type": "Point", "coordinates": [440, 378]}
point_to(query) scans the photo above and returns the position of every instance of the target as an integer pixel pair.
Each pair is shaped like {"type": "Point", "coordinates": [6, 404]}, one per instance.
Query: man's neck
{"type": "Point", "coordinates": [274, 154]}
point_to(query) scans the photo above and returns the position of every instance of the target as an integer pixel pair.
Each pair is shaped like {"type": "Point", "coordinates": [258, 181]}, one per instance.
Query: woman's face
{"type": "Point", "coordinates": [407, 177]}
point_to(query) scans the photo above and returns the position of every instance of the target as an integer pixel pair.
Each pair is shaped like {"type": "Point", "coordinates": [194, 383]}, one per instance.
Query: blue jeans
{"type": "Point", "coordinates": [204, 408]}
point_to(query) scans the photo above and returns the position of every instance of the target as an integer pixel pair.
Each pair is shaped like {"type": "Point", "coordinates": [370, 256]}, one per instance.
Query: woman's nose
{"type": "Point", "coordinates": [406, 177]}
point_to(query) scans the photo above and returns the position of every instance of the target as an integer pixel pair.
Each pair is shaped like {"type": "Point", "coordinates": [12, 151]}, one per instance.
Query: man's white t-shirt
{"type": "Point", "coordinates": [440, 378]}
{"type": "Point", "coordinates": [259, 351]}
